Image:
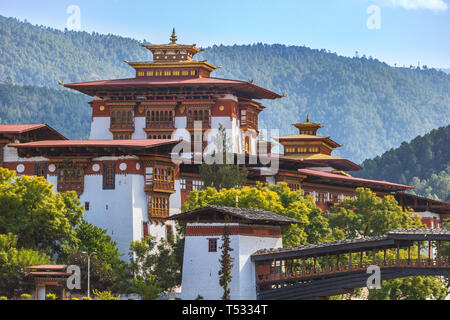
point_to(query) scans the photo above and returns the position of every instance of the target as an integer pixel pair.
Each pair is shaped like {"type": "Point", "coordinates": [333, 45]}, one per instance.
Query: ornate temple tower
{"type": "Point", "coordinates": [172, 95]}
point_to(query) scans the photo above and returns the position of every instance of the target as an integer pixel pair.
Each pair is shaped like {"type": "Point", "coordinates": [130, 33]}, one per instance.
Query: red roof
{"type": "Point", "coordinates": [247, 88]}
{"type": "Point", "coordinates": [342, 178]}
{"type": "Point", "coordinates": [19, 128]}
{"type": "Point", "coordinates": [97, 143]}
{"type": "Point", "coordinates": [48, 267]}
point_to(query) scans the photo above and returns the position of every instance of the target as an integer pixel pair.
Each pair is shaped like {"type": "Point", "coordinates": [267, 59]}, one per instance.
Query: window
{"type": "Point", "coordinates": [197, 185]}
{"type": "Point", "coordinates": [160, 177]}
{"type": "Point", "coordinates": [109, 176]}
{"type": "Point", "coordinates": [169, 232]}
{"type": "Point", "coordinates": [1, 154]}
{"type": "Point", "coordinates": [86, 206]}
{"type": "Point", "coordinates": [145, 229]}
{"type": "Point", "coordinates": [294, 186]}
{"type": "Point", "coordinates": [243, 117]}
{"type": "Point", "coordinates": [122, 136]}
{"type": "Point", "coordinates": [70, 178]}
{"type": "Point", "coordinates": [212, 245]}
{"type": "Point", "coordinates": [183, 184]}
{"type": "Point", "coordinates": [40, 170]}
{"type": "Point", "coordinates": [122, 119]}
{"type": "Point", "coordinates": [158, 205]}
{"type": "Point", "coordinates": [160, 118]}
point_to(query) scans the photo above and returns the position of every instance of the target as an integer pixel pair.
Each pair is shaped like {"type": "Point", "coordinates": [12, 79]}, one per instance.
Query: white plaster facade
{"type": "Point", "coordinates": [200, 267]}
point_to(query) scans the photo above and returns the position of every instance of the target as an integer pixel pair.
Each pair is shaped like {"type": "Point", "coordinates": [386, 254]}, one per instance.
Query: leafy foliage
{"type": "Point", "coordinates": [437, 186]}
{"type": "Point", "coordinates": [39, 218]}
{"type": "Point", "coordinates": [154, 266]}
{"type": "Point", "coordinates": [411, 288]}
{"type": "Point", "coordinates": [421, 158]}
{"type": "Point", "coordinates": [279, 199]}
{"type": "Point", "coordinates": [226, 264]}
{"type": "Point", "coordinates": [219, 174]}
{"type": "Point", "coordinates": [368, 216]}
{"type": "Point", "coordinates": [104, 295]}
{"type": "Point", "coordinates": [13, 261]}
{"type": "Point", "coordinates": [65, 111]}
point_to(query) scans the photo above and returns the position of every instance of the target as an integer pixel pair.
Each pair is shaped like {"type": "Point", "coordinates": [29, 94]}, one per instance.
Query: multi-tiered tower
{"type": "Point", "coordinates": [170, 95]}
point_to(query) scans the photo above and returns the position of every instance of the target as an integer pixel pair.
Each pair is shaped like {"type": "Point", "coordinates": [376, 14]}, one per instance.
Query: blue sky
{"type": "Point", "coordinates": [404, 32]}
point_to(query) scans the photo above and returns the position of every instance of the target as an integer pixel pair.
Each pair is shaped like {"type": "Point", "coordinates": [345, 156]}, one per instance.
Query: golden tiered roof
{"type": "Point", "coordinates": [173, 55]}
{"type": "Point", "coordinates": [308, 128]}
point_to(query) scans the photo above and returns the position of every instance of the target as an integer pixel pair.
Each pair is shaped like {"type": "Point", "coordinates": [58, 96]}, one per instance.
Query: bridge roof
{"type": "Point", "coordinates": [247, 215]}
{"type": "Point", "coordinates": [389, 240]}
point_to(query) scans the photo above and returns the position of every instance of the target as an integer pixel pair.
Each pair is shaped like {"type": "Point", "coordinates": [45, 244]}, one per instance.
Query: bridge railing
{"type": "Point", "coordinates": [269, 273]}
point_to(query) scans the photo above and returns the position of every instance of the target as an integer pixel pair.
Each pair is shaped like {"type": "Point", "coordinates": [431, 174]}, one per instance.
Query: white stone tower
{"type": "Point", "coordinates": [250, 230]}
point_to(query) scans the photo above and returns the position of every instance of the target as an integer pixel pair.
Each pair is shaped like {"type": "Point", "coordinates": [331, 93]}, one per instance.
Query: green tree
{"type": "Point", "coordinates": [367, 216]}
{"type": "Point", "coordinates": [102, 274]}
{"type": "Point", "coordinates": [13, 261]}
{"type": "Point", "coordinates": [30, 209]}
{"type": "Point", "coordinates": [226, 264]}
{"type": "Point", "coordinates": [220, 174]}
{"type": "Point", "coordinates": [411, 288]}
{"type": "Point", "coordinates": [276, 198]}
{"type": "Point", "coordinates": [154, 267]}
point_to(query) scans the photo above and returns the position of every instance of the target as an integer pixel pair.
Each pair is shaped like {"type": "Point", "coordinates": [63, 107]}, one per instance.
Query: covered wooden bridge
{"type": "Point", "coordinates": [331, 268]}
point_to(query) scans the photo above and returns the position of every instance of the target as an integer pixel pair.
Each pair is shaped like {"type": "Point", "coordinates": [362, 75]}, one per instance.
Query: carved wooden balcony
{"type": "Point", "coordinates": [206, 124]}
{"type": "Point", "coordinates": [122, 126]}
{"type": "Point", "coordinates": [152, 185]}
{"type": "Point", "coordinates": [160, 125]}
{"type": "Point", "coordinates": [158, 213]}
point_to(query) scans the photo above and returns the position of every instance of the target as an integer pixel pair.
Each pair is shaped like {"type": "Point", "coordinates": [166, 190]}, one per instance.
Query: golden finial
{"type": "Point", "coordinates": [60, 83]}
{"type": "Point", "coordinates": [173, 38]}
{"type": "Point", "coordinates": [307, 118]}
{"type": "Point", "coordinates": [284, 95]}
{"type": "Point", "coordinates": [250, 81]}
{"type": "Point", "coordinates": [126, 61]}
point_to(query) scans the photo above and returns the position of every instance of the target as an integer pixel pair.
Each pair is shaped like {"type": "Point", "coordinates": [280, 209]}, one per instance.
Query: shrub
{"type": "Point", "coordinates": [50, 296]}
{"type": "Point", "coordinates": [25, 296]}
{"type": "Point", "coordinates": [105, 295]}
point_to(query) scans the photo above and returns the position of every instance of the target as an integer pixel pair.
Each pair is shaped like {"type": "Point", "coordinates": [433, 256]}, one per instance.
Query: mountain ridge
{"type": "Point", "coordinates": [363, 103]}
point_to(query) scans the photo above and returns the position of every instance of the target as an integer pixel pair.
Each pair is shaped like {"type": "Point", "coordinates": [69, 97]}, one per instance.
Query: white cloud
{"type": "Point", "coordinates": [434, 5]}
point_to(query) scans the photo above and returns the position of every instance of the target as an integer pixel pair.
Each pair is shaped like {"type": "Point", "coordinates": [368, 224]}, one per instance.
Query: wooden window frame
{"type": "Point", "coordinates": [158, 205]}
{"type": "Point", "coordinates": [40, 170]}
{"type": "Point", "coordinates": [109, 175]}
{"type": "Point", "coordinates": [70, 177]}
{"type": "Point", "coordinates": [212, 244]}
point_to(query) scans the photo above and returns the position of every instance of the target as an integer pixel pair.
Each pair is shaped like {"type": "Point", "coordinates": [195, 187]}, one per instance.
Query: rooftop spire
{"type": "Point", "coordinates": [173, 38]}
{"type": "Point", "coordinates": [307, 118]}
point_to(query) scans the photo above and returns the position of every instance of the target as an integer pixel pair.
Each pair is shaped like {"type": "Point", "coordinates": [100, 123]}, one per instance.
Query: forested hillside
{"type": "Point", "coordinates": [363, 103]}
{"type": "Point", "coordinates": [65, 111]}
{"type": "Point", "coordinates": [424, 163]}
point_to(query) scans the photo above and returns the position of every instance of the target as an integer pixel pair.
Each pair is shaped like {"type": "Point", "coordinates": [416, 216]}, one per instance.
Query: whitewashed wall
{"type": "Point", "coordinates": [100, 129]}
{"type": "Point", "coordinates": [200, 267]}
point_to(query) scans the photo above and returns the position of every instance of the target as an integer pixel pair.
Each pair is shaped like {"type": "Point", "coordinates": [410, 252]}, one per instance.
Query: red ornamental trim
{"type": "Point", "coordinates": [29, 167]}
{"type": "Point", "coordinates": [194, 231]}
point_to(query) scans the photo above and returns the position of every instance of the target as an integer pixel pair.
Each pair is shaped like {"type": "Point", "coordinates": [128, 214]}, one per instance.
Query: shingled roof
{"type": "Point", "coordinates": [247, 215]}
